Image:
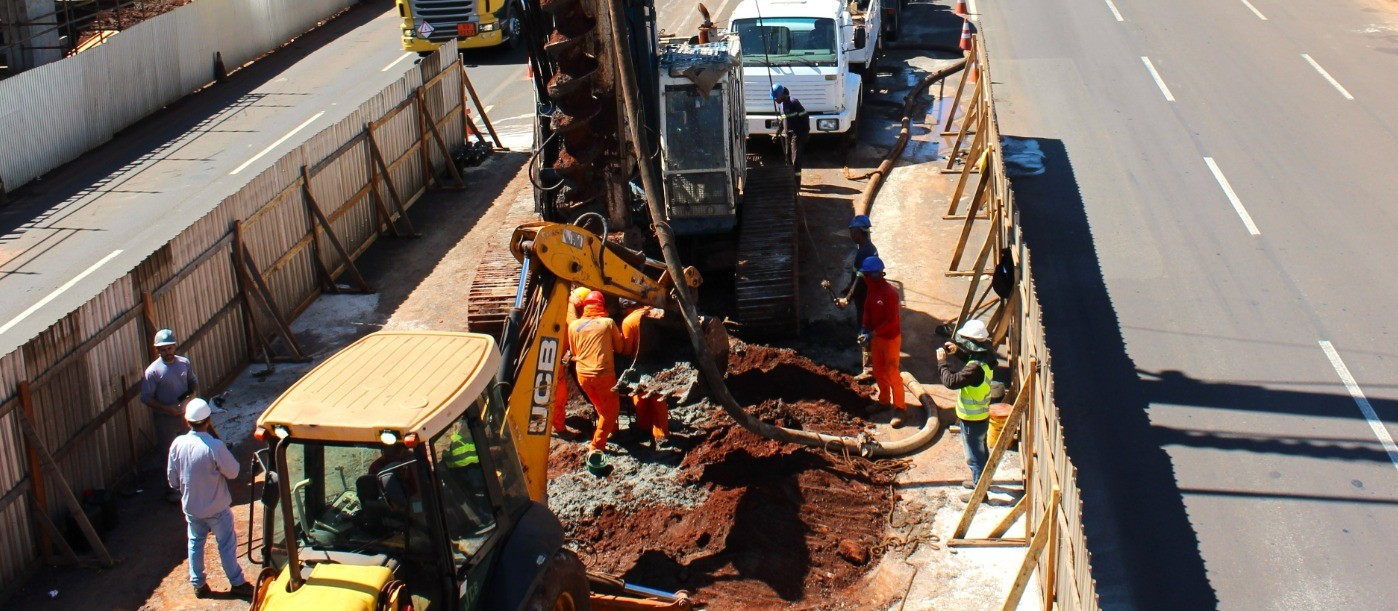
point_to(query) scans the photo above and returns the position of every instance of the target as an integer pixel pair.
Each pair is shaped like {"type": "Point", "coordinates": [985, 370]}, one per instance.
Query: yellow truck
{"type": "Point", "coordinates": [409, 470]}
{"type": "Point", "coordinates": [473, 23]}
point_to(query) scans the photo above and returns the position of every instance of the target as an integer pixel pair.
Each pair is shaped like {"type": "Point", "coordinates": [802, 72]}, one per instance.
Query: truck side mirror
{"type": "Point", "coordinates": [861, 38]}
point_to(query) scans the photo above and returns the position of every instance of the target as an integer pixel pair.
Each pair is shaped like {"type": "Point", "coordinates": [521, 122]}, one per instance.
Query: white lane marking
{"type": "Point", "coordinates": [1363, 402]}
{"type": "Point", "coordinates": [1232, 197]}
{"type": "Point", "coordinates": [1343, 91]}
{"type": "Point", "coordinates": [1158, 81]}
{"type": "Point", "coordinates": [1255, 11]}
{"type": "Point", "coordinates": [1115, 13]}
{"type": "Point", "coordinates": [395, 62]}
{"type": "Point", "coordinates": [54, 295]}
{"type": "Point", "coordinates": [275, 144]}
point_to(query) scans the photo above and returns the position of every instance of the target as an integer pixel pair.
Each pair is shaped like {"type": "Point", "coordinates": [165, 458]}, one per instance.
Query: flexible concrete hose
{"type": "Point", "coordinates": [713, 377]}
{"type": "Point", "coordinates": [871, 190]}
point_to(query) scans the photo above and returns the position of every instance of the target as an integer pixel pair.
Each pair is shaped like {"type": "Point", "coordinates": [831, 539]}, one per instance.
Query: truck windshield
{"type": "Point", "coordinates": [787, 41]}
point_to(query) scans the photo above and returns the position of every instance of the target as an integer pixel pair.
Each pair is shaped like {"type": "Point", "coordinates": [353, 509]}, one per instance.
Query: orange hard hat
{"type": "Point", "coordinates": [595, 298]}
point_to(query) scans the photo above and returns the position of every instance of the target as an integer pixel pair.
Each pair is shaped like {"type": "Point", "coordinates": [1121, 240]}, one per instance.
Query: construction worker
{"type": "Point", "coordinates": [168, 382]}
{"type": "Point", "coordinates": [652, 412]}
{"type": "Point", "coordinates": [971, 345]}
{"type": "Point", "coordinates": [859, 229]}
{"type": "Point", "coordinates": [199, 466]}
{"type": "Point", "coordinates": [882, 331]}
{"type": "Point", "coordinates": [560, 395]}
{"type": "Point", "coordinates": [794, 124]}
{"type": "Point", "coordinates": [593, 339]}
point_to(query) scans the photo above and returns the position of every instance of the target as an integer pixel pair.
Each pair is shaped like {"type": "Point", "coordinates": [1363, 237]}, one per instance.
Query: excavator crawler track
{"type": "Point", "coordinates": [768, 300]}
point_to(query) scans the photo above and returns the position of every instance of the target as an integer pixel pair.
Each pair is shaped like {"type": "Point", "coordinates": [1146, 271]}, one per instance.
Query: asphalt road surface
{"type": "Point", "coordinates": [1213, 242]}
{"type": "Point", "coordinates": [69, 235]}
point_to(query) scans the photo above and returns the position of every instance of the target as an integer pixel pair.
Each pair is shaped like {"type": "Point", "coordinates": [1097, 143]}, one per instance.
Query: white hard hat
{"type": "Point", "coordinates": [197, 410]}
{"type": "Point", "coordinates": [164, 337]}
{"type": "Point", "coordinates": [974, 329]}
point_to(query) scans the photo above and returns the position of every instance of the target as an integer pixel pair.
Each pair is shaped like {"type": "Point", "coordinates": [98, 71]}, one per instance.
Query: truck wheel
{"type": "Point", "coordinates": [512, 30]}
{"type": "Point", "coordinates": [563, 587]}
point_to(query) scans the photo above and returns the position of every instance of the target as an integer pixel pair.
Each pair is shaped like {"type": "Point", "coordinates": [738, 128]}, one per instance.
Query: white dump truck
{"type": "Point", "coordinates": [817, 49]}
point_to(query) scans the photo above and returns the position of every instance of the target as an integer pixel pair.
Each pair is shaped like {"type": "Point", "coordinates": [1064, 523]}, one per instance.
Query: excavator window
{"type": "Point", "coordinates": [466, 506]}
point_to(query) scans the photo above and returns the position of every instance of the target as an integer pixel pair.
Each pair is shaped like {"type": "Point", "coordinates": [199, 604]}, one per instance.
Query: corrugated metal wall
{"type": "Point", "coordinates": [52, 114]}
{"type": "Point", "coordinates": [84, 370]}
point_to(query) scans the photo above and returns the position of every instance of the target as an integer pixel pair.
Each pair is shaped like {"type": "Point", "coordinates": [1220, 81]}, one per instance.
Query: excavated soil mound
{"type": "Point", "coordinates": [771, 526]}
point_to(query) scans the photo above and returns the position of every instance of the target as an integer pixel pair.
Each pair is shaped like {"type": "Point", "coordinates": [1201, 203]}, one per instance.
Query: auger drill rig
{"type": "Point", "coordinates": [732, 212]}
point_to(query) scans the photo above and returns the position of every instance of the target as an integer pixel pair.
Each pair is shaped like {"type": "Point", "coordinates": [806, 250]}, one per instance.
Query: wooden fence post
{"type": "Point", "coordinates": [36, 446]}
{"type": "Point", "coordinates": [1031, 557]}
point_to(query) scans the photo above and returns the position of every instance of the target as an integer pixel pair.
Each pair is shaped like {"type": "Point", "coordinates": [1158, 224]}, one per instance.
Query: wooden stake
{"type": "Point", "coordinates": [327, 282]}
{"type": "Point", "coordinates": [479, 109]}
{"type": "Point", "coordinates": [955, 202]}
{"type": "Point", "coordinates": [319, 217]}
{"type": "Point", "coordinates": [423, 155]}
{"type": "Point", "coordinates": [388, 180]}
{"type": "Point", "coordinates": [264, 298]}
{"type": "Point", "coordinates": [441, 144]}
{"type": "Point", "coordinates": [1031, 557]}
{"type": "Point", "coordinates": [972, 116]}
{"type": "Point", "coordinates": [1021, 506]}
{"type": "Point", "coordinates": [1001, 445]}
{"type": "Point", "coordinates": [960, 88]}
{"type": "Point", "coordinates": [36, 445]}
{"type": "Point", "coordinates": [148, 318]}
{"type": "Point", "coordinates": [50, 532]}
{"type": "Point", "coordinates": [251, 334]}
{"type": "Point", "coordinates": [36, 473]}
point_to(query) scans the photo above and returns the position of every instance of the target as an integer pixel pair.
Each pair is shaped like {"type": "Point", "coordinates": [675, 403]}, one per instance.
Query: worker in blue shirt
{"type": "Point", "coordinates": [199, 467]}
{"type": "Point", "coordinates": [859, 229]}
{"type": "Point", "coordinates": [794, 124]}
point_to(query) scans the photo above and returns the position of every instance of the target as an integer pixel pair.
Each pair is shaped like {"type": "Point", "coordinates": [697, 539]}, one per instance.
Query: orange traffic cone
{"type": "Point", "coordinates": [960, 7]}
{"type": "Point", "coordinates": [974, 74]}
{"type": "Point", "coordinates": [966, 36]}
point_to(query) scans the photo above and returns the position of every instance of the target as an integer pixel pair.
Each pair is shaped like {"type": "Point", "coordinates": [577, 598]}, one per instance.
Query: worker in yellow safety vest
{"type": "Point", "coordinates": [971, 346]}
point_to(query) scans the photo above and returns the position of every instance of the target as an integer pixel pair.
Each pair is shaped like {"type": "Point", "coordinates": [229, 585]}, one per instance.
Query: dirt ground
{"type": "Point", "coordinates": [740, 521]}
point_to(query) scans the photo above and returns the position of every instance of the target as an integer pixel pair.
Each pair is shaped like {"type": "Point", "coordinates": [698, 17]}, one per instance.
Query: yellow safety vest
{"type": "Point", "coordinates": [461, 453]}
{"type": "Point", "coordinates": [973, 402]}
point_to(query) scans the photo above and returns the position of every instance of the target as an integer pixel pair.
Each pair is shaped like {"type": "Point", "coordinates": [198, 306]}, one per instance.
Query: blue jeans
{"type": "Point", "coordinates": [221, 525]}
{"type": "Point", "coordinates": [973, 434]}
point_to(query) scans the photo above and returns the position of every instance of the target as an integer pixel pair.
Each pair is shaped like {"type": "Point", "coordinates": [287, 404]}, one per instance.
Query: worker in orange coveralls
{"type": "Point", "coordinates": [593, 339]}
{"type": "Point", "coordinates": [560, 395]}
{"type": "Point", "coordinates": [882, 330]}
{"type": "Point", "coordinates": [652, 413]}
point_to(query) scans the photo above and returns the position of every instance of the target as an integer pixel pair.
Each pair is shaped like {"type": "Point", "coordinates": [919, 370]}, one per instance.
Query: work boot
{"type": "Point", "coordinates": [968, 484]}
{"type": "Point", "coordinates": [896, 422]}
{"type": "Point", "coordinates": [203, 591]}
{"type": "Point", "coordinates": [243, 591]}
{"type": "Point", "coordinates": [664, 444]}
{"type": "Point", "coordinates": [865, 376]}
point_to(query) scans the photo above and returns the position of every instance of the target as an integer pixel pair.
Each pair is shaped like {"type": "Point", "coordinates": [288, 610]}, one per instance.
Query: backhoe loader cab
{"type": "Point", "coordinates": [393, 483]}
{"type": "Point", "coordinates": [703, 137]}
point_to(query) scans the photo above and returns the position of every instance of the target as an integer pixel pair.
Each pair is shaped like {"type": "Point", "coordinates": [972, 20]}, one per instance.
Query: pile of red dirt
{"type": "Point", "coordinates": [783, 526]}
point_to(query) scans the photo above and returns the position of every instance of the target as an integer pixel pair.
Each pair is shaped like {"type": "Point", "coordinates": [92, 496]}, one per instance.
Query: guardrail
{"type": "Point", "coordinates": [229, 283]}
{"type": "Point", "coordinates": [984, 204]}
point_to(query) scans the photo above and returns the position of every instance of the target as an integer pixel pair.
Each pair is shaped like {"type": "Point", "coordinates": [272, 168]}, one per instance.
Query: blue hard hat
{"type": "Point", "coordinates": [860, 221]}
{"type": "Point", "coordinates": [778, 91]}
{"type": "Point", "coordinates": [872, 264]}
